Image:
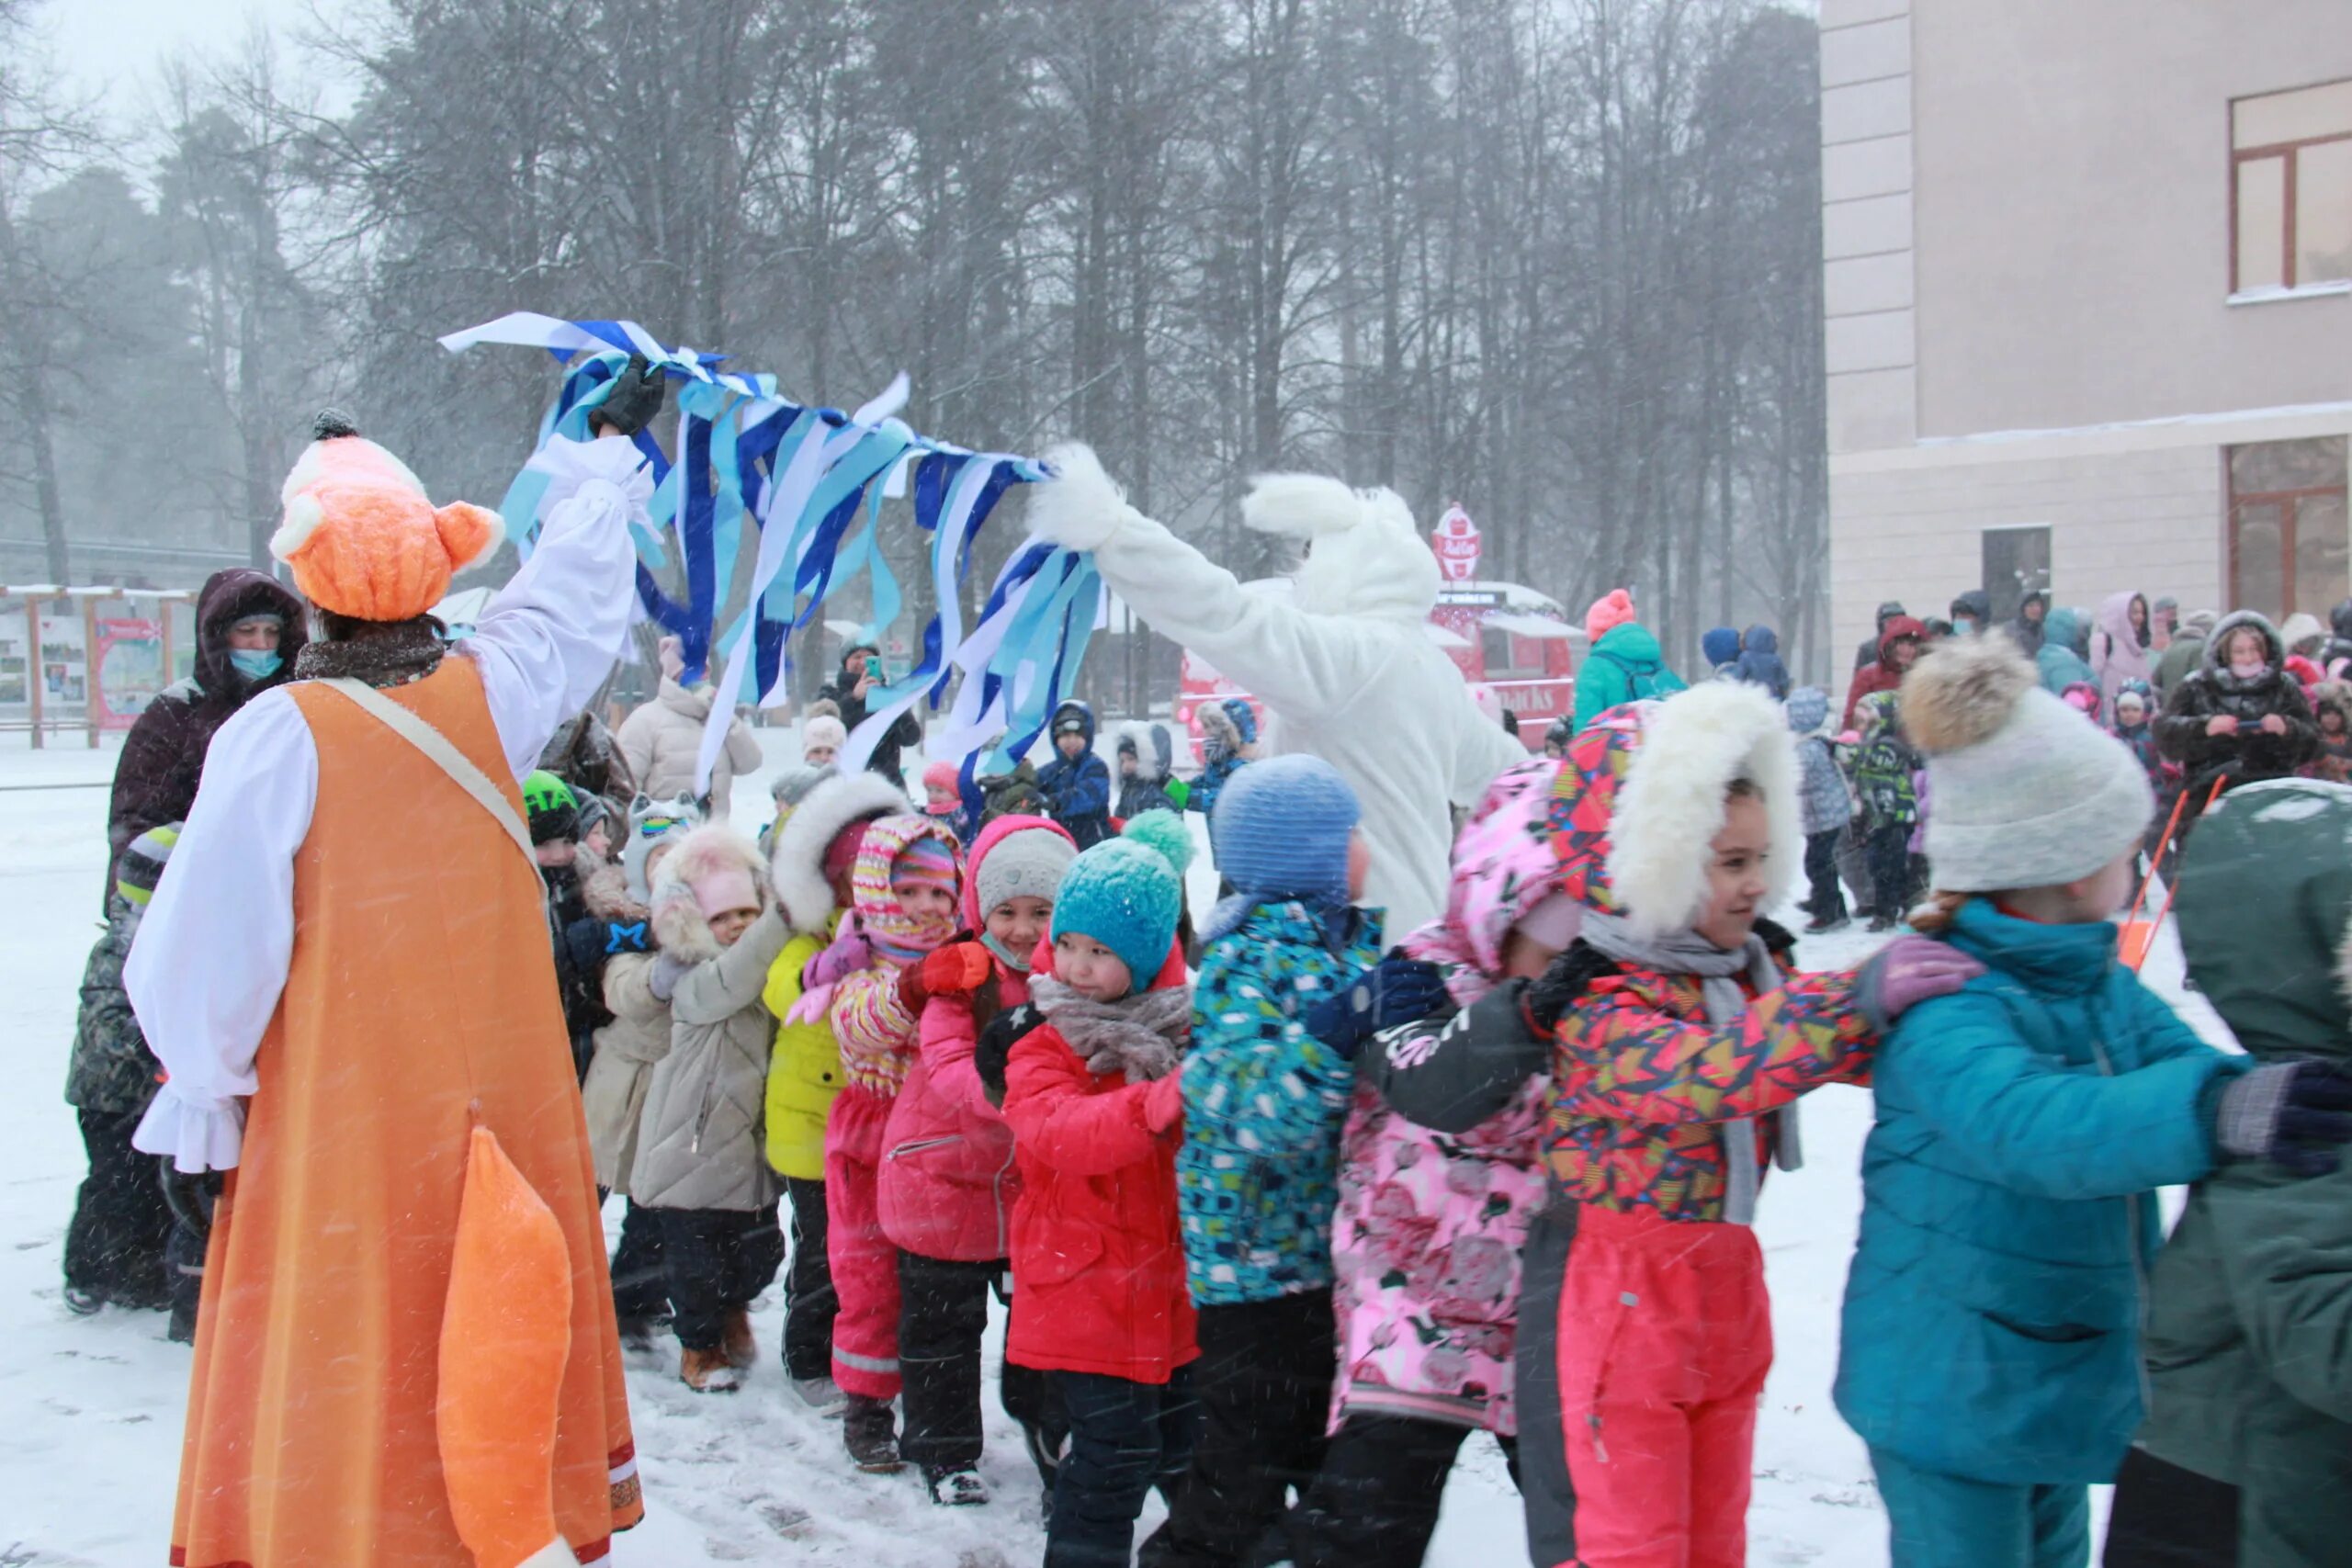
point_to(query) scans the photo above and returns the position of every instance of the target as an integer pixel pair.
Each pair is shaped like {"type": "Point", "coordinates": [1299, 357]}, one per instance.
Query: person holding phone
{"type": "Point", "coordinates": [861, 674]}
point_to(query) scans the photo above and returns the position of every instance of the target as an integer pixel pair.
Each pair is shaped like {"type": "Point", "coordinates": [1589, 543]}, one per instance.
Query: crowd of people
{"type": "Point", "coordinates": [1286, 1196]}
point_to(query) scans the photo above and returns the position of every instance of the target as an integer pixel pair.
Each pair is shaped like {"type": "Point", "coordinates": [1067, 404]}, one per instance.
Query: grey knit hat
{"type": "Point", "coordinates": [2022, 790]}
{"type": "Point", "coordinates": [1026, 862]}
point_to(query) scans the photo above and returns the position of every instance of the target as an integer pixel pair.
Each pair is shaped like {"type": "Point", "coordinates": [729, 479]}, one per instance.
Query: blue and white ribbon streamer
{"type": "Point", "coordinates": [808, 478]}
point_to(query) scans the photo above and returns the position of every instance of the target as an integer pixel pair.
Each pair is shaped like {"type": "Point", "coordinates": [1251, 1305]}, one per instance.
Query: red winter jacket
{"type": "Point", "coordinates": [1098, 1267]}
{"type": "Point", "coordinates": [1883, 676]}
{"type": "Point", "coordinates": [948, 1178]}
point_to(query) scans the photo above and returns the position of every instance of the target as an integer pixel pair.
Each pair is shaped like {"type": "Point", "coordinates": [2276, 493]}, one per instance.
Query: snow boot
{"type": "Point", "coordinates": [822, 1395]}
{"type": "Point", "coordinates": [870, 1432]}
{"type": "Point", "coordinates": [1821, 923]}
{"type": "Point", "coordinates": [82, 1301]}
{"type": "Point", "coordinates": [708, 1371]}
{"type": "Point", "coordinates": [1882, 922]}
{"type": "Point", "coordinates": [637, 1332]}
{"type": "Point", "coordinates": [737, 1341]}
{"type": "Point", "coordinates": [955, 1486]}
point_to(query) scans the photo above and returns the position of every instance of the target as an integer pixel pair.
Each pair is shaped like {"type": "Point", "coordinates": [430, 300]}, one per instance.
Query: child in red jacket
{"type": "Point", "coordinates": [904, 888]}
{"type": "Point", "coordinates": [948, 1183]}
{"type": "Point", "coordinates": [1099, 1294]}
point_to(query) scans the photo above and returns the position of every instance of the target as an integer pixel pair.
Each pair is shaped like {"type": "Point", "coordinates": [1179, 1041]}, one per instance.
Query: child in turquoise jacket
{"type": "Point", "coordinates": [1991, 1341]}
{"type": "Point", "coordinates": [1266, 1095]}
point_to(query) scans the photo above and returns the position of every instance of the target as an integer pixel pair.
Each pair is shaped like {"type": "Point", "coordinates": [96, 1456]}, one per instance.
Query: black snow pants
{"type": "Point", "coordinates": [114, 1245]}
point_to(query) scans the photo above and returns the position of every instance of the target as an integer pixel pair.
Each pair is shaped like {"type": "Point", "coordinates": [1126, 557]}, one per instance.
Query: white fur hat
{"type": "Point", "coordinates": [1671, 805]}
{"type": "Point", "coordinates": [2023, 791]}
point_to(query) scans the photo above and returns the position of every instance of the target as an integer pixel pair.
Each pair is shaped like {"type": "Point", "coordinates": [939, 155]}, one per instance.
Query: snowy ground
{"type": "Point", "coordinates": [90, 1410]}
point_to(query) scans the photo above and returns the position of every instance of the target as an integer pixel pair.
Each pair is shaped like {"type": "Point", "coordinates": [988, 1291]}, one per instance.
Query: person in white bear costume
{"type": "Point", "coordinates": [1344, 665]}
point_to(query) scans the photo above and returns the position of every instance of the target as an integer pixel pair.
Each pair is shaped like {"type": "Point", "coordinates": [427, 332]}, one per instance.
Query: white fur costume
{"type": "Point", "coordinates": [1344, 667]}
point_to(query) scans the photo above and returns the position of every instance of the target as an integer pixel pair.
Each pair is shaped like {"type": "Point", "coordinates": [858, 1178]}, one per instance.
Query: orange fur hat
{"type": "Point", "coordinates": [363, 539]}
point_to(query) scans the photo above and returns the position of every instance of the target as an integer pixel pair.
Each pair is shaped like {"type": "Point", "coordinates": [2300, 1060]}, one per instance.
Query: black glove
{"type": "Point", "coordinates": [994, 1047]}
{"type": "Point", "coordinates": [2296, 1116]}
{"type": "Point", "coordinates": [637, 395]}
{"type": "Point", "coordinates": [1396, 991]}
{"type": "Point", "coordinates": [1563, 981]}
{"type": "Point", "coordinates": [189, 1195]}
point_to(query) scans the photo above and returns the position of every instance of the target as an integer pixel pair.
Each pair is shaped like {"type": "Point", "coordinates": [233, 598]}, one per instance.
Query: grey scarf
{"type": "Point", "coordinates": [1138, 1035]}
{"type": "Point", "coordinates": [1687, 952]}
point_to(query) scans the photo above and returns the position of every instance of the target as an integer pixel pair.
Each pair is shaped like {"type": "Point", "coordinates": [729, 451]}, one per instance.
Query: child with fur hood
{"type": "Point", "coordinates": [1266, 1092]}
{"type": "Point", "coordinates": [1093, 1097]}
{"type": "Point", "coordinates": [1228, 743]}
{"type": "Point", "coordinates": [949, 1183]}
{"type": "Point", "coordinates": [1989, 1352]}
{"type": "Point", "coordinates": [628, 1048]}
{"type": "Point", "coordinates": [904, 886]}
{"type": "Point", "coordinates": [814, 850]}
{"type": "Point", "coordinates": [699, 1162]}
{"type": "Point", "coordinates": [2248, 1439]}
{"type": "Point", "coordinates": [1427, 1239]}
{"type": "Point", "coordinates": [2332, 702]}
{"type": "Point", "coordinates": [1677, 1045]}
{"type": "Point", "coordinates": [1145, 755]}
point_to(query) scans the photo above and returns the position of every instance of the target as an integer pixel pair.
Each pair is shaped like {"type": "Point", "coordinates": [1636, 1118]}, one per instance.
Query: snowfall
{"type": "Point", "coordinates": [91, 1409]}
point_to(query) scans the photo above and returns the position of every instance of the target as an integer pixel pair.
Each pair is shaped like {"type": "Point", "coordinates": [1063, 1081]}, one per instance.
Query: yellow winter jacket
{"type": "Point", "coordinates": [805, 1073]}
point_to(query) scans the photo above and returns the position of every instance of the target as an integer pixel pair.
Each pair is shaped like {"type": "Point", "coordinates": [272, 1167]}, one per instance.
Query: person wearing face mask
{"type": "Point", "coordinates": [2239, 717]}
{"type": "Point", "coordinates": [249, 627]}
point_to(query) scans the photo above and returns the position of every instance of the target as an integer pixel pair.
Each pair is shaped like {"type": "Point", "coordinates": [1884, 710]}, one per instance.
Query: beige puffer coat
{"type": "Point", "coordinates": [660, 740]}
{"type": "Point", "coordinates": [699, 1140]}
{"type": "Point", "coordinates": [628, 1048]}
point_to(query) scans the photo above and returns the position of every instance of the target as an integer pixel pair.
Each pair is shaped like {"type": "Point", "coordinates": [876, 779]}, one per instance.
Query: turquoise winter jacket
{"type": "Point", "coordinates": [1625, 664]}
{"type": "Point", "coordinates": [1993, 1313]}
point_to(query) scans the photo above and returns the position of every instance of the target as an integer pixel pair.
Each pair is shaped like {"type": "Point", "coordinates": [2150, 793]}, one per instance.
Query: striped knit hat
{"type": "Point", "coordinates": [1281, 830]}
{"type": "Point", "coordinates": [141, 867]}
{"type": "Point", "coordinates": [888, 844]}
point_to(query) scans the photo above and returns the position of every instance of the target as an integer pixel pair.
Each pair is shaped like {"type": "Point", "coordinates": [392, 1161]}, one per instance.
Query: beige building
{"type": "Point", "coordinates": [2088, 287]}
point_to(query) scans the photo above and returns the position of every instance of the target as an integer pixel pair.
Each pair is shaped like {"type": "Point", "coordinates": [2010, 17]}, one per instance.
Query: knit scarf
{"type": "Point", "coordinates": [1717, 970]}
{"type": "Point", "coordinates": [1140, 1036]}
{"type": "Point", "coordinates": [404, 652]}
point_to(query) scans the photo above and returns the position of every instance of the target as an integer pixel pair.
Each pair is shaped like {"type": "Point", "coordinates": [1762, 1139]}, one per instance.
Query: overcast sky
{"type": "Point", "coordinates": [110, 49]}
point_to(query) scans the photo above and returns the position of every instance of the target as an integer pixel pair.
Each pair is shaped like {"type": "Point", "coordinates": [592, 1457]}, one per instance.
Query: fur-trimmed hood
{"type": "Point", "coordinates": [2282, 983]}
{"type": "Point", "coordinates": [796, 861]}
{"type": "Point", "coordinates": [2215, 665]}
{"type": "Point", "coordinates": [678, 924]}
{"type": "Point", "coordinates": [1153, 749]}
{"type": "Point", "coordinates": [1632, 829]}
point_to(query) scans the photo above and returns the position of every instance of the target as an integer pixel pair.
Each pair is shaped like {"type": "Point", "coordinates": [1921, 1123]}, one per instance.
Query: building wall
{"type": "Point", "coordinates": [2026, 251]}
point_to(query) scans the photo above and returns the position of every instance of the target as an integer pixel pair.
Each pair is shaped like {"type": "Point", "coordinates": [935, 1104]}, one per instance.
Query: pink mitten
{"type": "Point", "coordinates": [849, 954]}
{"type": "Point", "coordinates": [1907, 972]}
{"type": "Point", "coordinates": [814, 1004]}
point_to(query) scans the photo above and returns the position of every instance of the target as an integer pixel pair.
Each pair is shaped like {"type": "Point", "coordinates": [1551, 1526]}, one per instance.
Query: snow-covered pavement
{"type": "Point", "coordinates": [90, 1410]}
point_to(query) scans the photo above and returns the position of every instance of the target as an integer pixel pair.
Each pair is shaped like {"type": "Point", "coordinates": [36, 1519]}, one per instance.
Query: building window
{"type": "Point", "coordinates": [2290, 187]}
{"type": "Point", "coordinates": [2017, 562]}
{"type": "Point", "coordinates": [2290, 540]}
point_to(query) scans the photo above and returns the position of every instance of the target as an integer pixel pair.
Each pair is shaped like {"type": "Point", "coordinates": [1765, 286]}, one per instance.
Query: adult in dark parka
{"type": "Point", "coordinates": [2270, 729]}
{"type": "Point", "coordinates": [860, 672]}
{"type": "Point", "coordinates": [1972, 612]}
{"type": "Point", "coordinates": [162, 757]}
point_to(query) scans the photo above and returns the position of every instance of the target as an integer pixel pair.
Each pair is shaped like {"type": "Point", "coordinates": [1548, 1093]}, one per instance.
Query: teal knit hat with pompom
{"type": "Point", "coordinates": [1128, 892]}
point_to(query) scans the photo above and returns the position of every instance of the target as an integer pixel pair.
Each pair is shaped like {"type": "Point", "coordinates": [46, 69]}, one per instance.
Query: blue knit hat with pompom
{"type": "Point", "coordinates": [1281, 830]}
{"type": "Point", "coordinates": [1128, 892]}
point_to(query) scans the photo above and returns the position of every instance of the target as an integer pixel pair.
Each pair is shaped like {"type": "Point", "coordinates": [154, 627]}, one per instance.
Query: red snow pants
{"type": "Point", "coordinates": [865, 1261]}
{"type": "Point", "coordinates": [1661, 1340]}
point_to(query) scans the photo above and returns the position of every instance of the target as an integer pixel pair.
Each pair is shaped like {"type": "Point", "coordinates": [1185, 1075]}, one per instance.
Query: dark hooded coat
{"type": "Point", "coordinates": [1080, 787]}
{"type": "Point", "coordinates": [1759, 663]}
{"type": "Point", "coordinates": [162, 757]}
{"type": "Point", "coordinates": [2250, 1311]}
{"type": "Point", "coordinates": [1976, 605]}
{"type": "Point", "coordinates": [842, 692]}
{"type": "Point", "coordinates": [2028, 633]}
{"type": "Point", "coordinates": [2211, 691]}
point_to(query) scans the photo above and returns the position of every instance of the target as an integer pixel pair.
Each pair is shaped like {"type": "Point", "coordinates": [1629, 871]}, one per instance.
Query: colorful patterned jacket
{"type": "Point", "coordinates": [1265, 1100]}
{"type": "Point", "coordinates": [1642, 1082]}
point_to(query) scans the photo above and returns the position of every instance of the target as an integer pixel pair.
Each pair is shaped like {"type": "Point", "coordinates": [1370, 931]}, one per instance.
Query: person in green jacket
{"type": "Point", "coordinates": [1625, 664]}
{"type": "Point", "coordinates": [1989, 1351]}
{"type": "Point", "coordinates": [2249, 1335]}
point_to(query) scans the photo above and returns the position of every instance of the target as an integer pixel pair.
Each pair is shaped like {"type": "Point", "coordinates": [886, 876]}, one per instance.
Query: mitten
{"type": "Point", "coordinates": [1907, 972]}
{"type": "Point", "coordinates": [994, 1047]}
{"type": "Point", "coordinates": [1163, 1102]}
{"type": "Point", "coordinates": [663, 978]}
{"type": "Point", "coordinates": [1563, 980]}
{"type": "Point", "coordinates": [912, 992]}
{"type": "Point", "coordinates": [636, 398]}
{"type": "Point", "coordinates": [2291, 1114]}
{"type": "Point", "coordinates": [1396, 991]}
{"type": "Point", "coordinates": [958, 969]}
{"type": "Point", "coordinates": [848, 954]}
{"type": "Point", "coordinates": [814, 1004]}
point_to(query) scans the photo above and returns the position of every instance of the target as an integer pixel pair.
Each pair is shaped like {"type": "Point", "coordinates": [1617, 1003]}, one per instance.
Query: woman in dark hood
{"type": "Point", "coordinates": [238, 656]}
{"type": "Point", "coordinates": [2026, 627]}
{"type": "Point", "coordinates": [2240, 716]}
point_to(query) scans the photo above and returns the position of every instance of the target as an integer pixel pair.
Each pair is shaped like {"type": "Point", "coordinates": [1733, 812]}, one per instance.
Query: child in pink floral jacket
{"type": "Point", "coordinates": [1427, 1239]}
